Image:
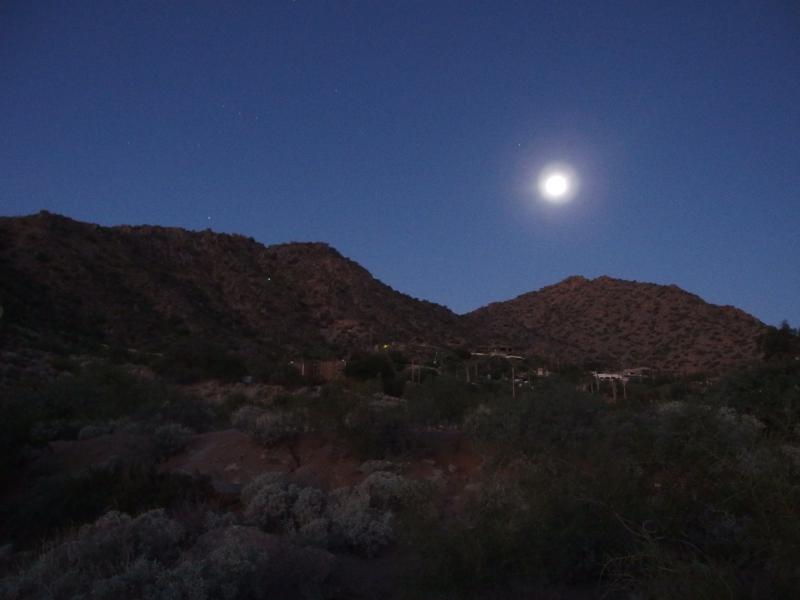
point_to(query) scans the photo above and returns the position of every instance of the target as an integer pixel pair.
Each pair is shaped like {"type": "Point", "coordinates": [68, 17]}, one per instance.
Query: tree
{"type": "Point", "coordinates": [780, 342]}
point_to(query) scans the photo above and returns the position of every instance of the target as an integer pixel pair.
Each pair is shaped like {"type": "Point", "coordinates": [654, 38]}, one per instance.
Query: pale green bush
{"type": "Point", "coordinates": [107, 549]}
{"type": "Point", "coordinates": [356, 518]}
{"type": "Point", "coordinates": [150, 557]}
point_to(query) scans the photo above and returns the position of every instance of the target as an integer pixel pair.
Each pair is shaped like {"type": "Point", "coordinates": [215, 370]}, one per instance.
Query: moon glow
{"type": "Point", "coordinates": [557, 184]}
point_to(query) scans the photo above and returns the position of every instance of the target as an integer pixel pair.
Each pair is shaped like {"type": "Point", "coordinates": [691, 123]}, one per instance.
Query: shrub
{"type": "Point", "coordinates": [88, 432]}
{"type": "Point", "coordinates": [357, 526]}
{"type": "Point", "coordinates": [197, 360]}
{"type": "Point", "coordinates": [53, 504]}
{"type": "Point", "coordinates": [170, 439]}
{"type": "Point", "coordinates": [358, 519]}
{"type": "Point", "coordinates": [378, 429]}
{"type": "Point", "coordinates": [60, 409]}
{"type": "Point", "coordinates": [267, 426]}
{"type": "Point", "coordinates": [150, 557]}
{"type": "Point", "coordinates": [768, 392]}
{"type": "Point", "coordinates": [268, 502]}
{"type": "Point", "coordinates": [98, 553]}
{"type": "Point", "coordinates": [367, 365]}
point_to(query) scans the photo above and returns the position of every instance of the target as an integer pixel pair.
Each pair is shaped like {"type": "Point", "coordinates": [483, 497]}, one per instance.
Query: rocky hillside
{"type": "Point", "coordinates": [143, 286]}
{"type": "Point", "coordinates": [616, 323]}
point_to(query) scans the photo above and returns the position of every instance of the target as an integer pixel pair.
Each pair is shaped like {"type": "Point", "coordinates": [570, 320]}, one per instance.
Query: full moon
{"type": "Point", "coordinates": [557, 184]}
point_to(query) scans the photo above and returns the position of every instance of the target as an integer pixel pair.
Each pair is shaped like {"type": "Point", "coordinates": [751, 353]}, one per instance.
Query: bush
{"type": "Point", "coordinates": [368, 365]}
{"type": "Point", "coordinates": [151, 557]}
{"type": "Point", "coordinates": [378, 429]}
{"type": "Point", "coordinates": [268, 502]}
{"type": "Point", "coordinates": [198, 360]}
{"type": "Point", "coordinates": [357, 526]}
{"type": "Point", "coordinates": [358, 519]}
{"type": "Point", "coordinates": [654, 501]}
{"type": "Point", "coordinates": [98, 553]}
{"type": "Point", "coordinates": [267, 426]}
{"type": "Point", "coordinates": [53, 504]}
{"type": "Point", "coordinates": [88, 432]}
{"type": "Point", "coordinates": [768, 392]}
{"type": "Point", "coordinates": [444, 400]}
{"type": "Point", "coordinates": [171, 439]}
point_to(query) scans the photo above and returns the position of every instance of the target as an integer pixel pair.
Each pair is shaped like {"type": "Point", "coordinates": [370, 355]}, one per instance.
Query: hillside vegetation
{"type": "Point", "coordinates": [117, 483]}
{"type": "Point", "coordinates": [145, 288]}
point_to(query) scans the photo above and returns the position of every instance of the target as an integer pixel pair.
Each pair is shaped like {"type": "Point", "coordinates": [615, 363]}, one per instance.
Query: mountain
{"type": "Point", "coordinates": [144, 287]}
{"type": "Point", "coordinates": [615, 323]}
{"type": "Point", "coordinates": [141, 286]}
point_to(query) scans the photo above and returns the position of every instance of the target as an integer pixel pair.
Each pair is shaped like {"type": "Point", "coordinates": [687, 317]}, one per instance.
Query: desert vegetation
{"type": "Point", "coordinates": [441, 487]}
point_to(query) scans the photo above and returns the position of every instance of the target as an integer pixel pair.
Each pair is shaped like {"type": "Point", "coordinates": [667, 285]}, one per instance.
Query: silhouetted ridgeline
{"type": "Point", "coordinates": [142, 287]}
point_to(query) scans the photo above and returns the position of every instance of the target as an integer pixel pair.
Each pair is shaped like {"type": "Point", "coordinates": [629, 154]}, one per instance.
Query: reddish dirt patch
{"type": "Point", "coordinates": [232, 457]}
{"type": "Point", "coordinates": [229, 456]}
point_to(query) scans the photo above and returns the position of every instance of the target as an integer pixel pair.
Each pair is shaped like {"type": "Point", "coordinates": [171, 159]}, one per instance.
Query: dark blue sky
{"type": "Point", "coordinates": [408, 134]}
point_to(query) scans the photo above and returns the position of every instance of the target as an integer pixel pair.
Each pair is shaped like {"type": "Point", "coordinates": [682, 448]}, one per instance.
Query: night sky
{"type": "Point", "coordinates": [410, 135]}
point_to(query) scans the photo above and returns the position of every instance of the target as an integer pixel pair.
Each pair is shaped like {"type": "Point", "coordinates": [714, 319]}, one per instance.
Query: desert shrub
{"type": "Point", "coordinates": [780, 344]}
{"type": "Point", "coordinates": [548, 417]}
{"type": "Point", "coordinates": [243, 563]}
{"type": "Point", "coordinates": [94, 430]}
{"type": "Point", "coordinates": [268, 501]}
{"type": "Point", "coordinates": [550, 524]}
{"type": "Point", "coordinates": [273, 427]}
{"type": "Point", "coordinates": [389, 491]}
{"type": "Point", "coordinates": [286, 374]}
{"type": "Point", "coordinates": [170, 439]}
{"type": "Point", "coordinates": [267, 426]}
{"type": "Point", "coordinates": [55, 503]}
{"type": "Point", "coordinates": [99, 551]}
{"type": "Point", "coordinates": [244, 417]}
{"type": "Point", "coordinates": [150, 557]}
{"type": "Point", "coordinates": [443, 400]}
{"type": "Point", "coordinates": [278, 506]}
{"type": "Point", "coordinates": [331, 409]}
{"type": "Point", "coordinates": [364, 366]}
{"type": "Point", "coordinates": [370, 466]}
{"type": "Point", "coordinates": [357, 519]}
{"type": "Point", "coordinates": [629, 495]}
{"type": "Point", "coordinates": [769, 392]}
{"type": "Point", "coordinates": [195, 360]}
{"type": "Point", "coordinates": [98, 394]}
{"type": "Point", "coordinates": [357, 526]}
{"type": "Point", "coordinates": [233, 402]}
{"type": "Point", "coordinates": [368, 365]}
{"type": "Point", "coordinates": [179, 407]}
{"type": "Point", "coordinates": [393, 384]}
{"type": "Point", "coordinates": [378, 429]}
{"type": "Point", "coordinates": [309, 506]}
{"type": "Point", "coordinates": [65, 363]}
{"type": "Point", "coordinates": [275, 370]}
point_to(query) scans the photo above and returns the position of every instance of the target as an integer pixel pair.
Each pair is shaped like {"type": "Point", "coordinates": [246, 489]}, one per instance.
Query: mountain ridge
{"type": "Point", "coordinates": [141, 285]}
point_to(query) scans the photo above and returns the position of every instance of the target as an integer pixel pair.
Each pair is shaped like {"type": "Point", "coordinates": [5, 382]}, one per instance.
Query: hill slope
{"type": "Point", "coordinates": [143, 287]}
{"type": "Point", "coordinates": [140, 286]}
{"type": "Point", "coordinates": [616, 323]}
